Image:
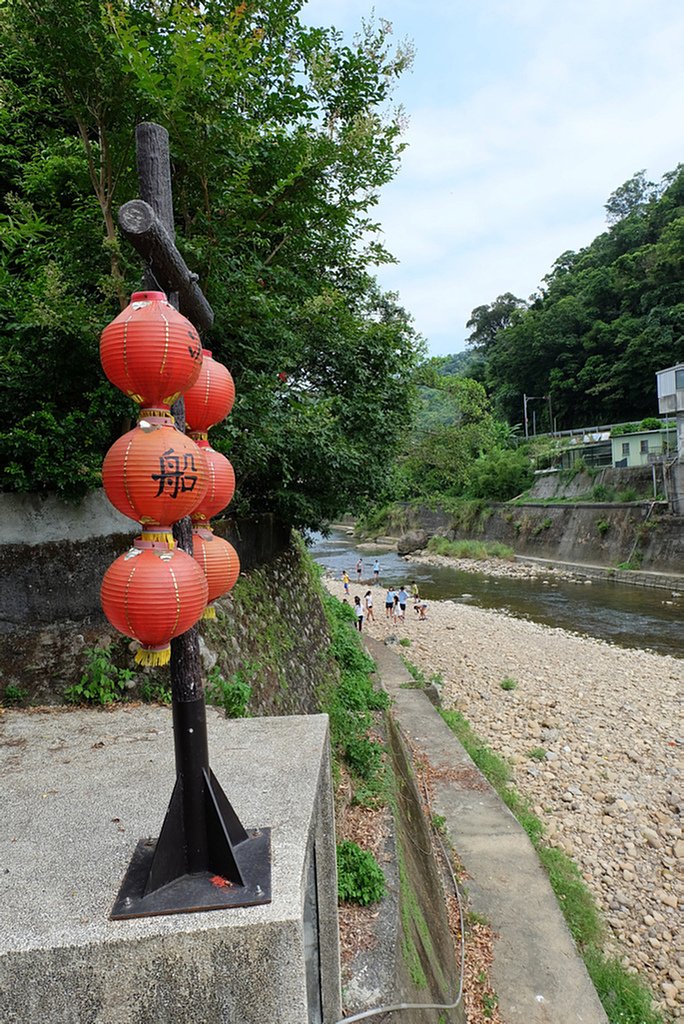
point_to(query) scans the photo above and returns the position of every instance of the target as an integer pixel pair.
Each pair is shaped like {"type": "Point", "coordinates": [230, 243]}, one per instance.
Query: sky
{"type": "Point", "coordinates": [523, 117]}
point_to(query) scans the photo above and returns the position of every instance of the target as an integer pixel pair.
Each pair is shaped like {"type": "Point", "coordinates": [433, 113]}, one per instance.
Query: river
{"type": "Point", "coordinates": [630, 616]}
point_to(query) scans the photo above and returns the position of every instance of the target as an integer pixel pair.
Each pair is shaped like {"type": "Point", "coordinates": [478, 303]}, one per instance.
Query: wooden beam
{"type": "Point", "coordinates": [148, 236]}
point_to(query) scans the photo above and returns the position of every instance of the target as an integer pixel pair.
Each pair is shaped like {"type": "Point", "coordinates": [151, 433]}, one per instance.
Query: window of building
{"type": "Point", "coordinates": [644, 446]}
{"type": "Point", "coordinates": [679, 380]}
{"type": "Point", "coordinates": [625, 447]}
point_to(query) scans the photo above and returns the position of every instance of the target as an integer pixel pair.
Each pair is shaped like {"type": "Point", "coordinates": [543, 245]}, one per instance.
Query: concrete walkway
{"type": "Point", "coordinates": [537, 972]}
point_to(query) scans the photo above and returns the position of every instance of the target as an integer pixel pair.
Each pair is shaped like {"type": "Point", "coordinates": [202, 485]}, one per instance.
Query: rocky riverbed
{"type": "Point", "coordinates": [595, 738]}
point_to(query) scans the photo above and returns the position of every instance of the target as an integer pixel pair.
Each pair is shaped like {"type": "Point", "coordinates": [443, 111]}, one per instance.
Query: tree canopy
{"type": "Point", "coordinates": [607, 318]}
{"type": "Point", "coordinates": [281, 137]}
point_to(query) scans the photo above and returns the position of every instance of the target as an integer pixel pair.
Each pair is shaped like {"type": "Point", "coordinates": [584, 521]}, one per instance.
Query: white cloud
{"type": "Point", "coordinates": [524, 117]}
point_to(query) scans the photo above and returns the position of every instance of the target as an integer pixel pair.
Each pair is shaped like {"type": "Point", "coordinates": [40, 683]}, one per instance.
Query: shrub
{"type": "Point", "coordinates": [233, 694]}
{"type": "Point", "coordinates": [508, 684]}
{"type": "Point", "coordinates": [13, 695]}
{"type": "Point", "coordinates": [651, 423]}
{"type": "Point", "coordinates": [603, 526]}
{"type": "Point", "coordinates": [499, 475]}
{"type": "Point", "coordinates": [102, 682]}
{"type": "Point", "coordinates": [359, 877]}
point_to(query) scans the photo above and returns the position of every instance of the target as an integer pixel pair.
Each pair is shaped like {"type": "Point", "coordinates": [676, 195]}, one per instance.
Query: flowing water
{"type": "Point", "coordinates": [627, 615]}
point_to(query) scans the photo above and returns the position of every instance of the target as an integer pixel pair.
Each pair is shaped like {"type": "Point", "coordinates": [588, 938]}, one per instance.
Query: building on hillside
{"type": "Point", "coordinates": [643, 447]}
{"type": "Point", "coordinates": [671, 399]}
{"type": "Point", "coordinates": [593, 449]}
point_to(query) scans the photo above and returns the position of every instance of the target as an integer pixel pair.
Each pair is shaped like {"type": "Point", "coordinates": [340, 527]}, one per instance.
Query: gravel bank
{"type": "Point", "coordinates": [595, 738]}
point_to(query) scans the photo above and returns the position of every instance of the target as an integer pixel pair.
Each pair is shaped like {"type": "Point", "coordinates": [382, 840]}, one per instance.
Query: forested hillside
{"type": "Point", "coordinates": [606, 319]}
{"type": "Point", "coordinates": [281, 137]}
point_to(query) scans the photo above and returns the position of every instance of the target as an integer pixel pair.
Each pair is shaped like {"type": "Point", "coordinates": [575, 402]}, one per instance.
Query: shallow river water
{"type": "Point", "coordinates": [630, 616]}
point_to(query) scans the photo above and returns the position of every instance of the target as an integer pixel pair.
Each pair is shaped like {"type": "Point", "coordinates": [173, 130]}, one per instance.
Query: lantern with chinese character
{"type": "Point", "coordinates": [153, 594]}
{"type": "Point", "coordinates": [220, 486]}
{"type": "Point", "coordinates": [219, 562]}
{"type": "Point", "coordinates": [211, 397]}
{"type": "Point", "coordinates": [154, 473]}
{"type": "Point", "coordinates": [150, 351]}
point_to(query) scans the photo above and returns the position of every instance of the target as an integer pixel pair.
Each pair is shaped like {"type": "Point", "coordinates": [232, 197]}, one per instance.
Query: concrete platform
{"type": "Point", "coordinates": [537, 972]}
{"type": "Point", "coordinates": [80, 788]}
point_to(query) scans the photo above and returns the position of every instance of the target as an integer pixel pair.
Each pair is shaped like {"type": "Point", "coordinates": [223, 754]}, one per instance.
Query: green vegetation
{"type": "Point", "coordinates": [359, 877]}
{"type": "Point", "coordinates": [470, 549]}
{"type": "Point", "coordinates": [602, 526]}
{"type": "Point", "coordinates": [155, 690]}
{"type": "Point", "coordinates": [536, 754]}
{"type": "Point", "coordinates": [404, 642]}
{"type": "Point", "coordinates": [351, 703]}
{"type": "Point", "coordinates": [624, 998]}
{"type": "Point", "coordinates": [14, 695]}
{"type": "Point", "coordinates": [282, 136]}
{"type": "Point", "coordinates": [102, 682]}
{"type": "Point", "coordinates": [231, 695]}
{"type": "Point", "coordinates": [508, 684]}
{"type": "Point", "coordinates": [605, 319]}
{"type": "Point", "coordinates": [420, 680]}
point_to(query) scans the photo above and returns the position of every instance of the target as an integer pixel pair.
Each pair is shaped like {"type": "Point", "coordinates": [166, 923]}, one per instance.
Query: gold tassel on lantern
{"type": "Point", "coordinates": [153, 657]}
{"type": "Point", "coordinates": [209, 612]}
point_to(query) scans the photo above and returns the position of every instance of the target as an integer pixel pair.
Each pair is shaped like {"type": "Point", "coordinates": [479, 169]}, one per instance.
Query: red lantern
{"type": "Point", "coordinates": [220, 487]}
{"type": "Point", "coordinates": [154, 473]}
{"type": "Point", "coordinates": [150, 351]}
{"type": "Point", "coordinates": [152, 594]}
{"type": "Point", "coordinates": [219, 562]}
{"type": "Point", "coordinates": [211, 397]}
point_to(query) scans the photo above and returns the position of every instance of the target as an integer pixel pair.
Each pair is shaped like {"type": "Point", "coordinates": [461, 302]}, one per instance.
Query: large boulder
{"type": "Point", "coordinates": [410, 542]}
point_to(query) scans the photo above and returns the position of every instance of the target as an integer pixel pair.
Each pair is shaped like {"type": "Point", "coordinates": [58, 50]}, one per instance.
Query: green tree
{"type": "Point", "coordinates": [281, 138]}
{"type": "Point", "coordinates": [607, 319]}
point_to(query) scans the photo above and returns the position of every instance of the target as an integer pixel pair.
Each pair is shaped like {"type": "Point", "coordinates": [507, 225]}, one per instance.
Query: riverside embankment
{"type": "Point", "coordinates": [590, 731]}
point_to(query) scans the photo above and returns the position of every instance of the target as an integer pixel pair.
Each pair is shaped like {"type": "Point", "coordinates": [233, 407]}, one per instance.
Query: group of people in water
{"type": "Point", "coordinates": [395, 600]}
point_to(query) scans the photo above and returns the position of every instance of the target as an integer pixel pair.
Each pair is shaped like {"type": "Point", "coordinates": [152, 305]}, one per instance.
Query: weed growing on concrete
{"type": "Point", "coordinates": [359, 877]}
{"type": "Point", "coordinates": [603, 526]}
{"type": "Point", "coordinates": [404, 642]}
{"type": "Point", "coordinates": [102, 681]}
{"type": "Point", "coordinates": [508, 684]}
{"type": "Point", "coordinates": [625, 999]}
{"type": "Point", "coordinates": [419, 680]}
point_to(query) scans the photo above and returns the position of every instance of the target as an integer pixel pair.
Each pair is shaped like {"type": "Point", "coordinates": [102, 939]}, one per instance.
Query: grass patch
{"type": "Point", "coordinates": [623, 996]}
{"type": "Point", "coordinates": [536, 754]}
{"type": "Point", "coordinates": [350, 703]}
{"type": "Point", "coordinates": [508, 684]}
{"type": "Point", "coordinates": [470, 549]}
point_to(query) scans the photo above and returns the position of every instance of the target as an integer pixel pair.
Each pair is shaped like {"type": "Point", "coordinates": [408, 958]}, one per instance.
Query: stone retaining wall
{"type": "Point", "coordinates": [271, 629]}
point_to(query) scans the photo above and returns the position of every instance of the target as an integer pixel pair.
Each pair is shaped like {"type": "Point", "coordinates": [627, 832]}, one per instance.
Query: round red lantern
{"type": "Point", "coordinates": [220, 484]}
{"type": "Point", "coordinates": [154, 473]}
{"type": "Point", "coordinates": [153, 594]}
{"type": "Point", "coordinates": [219, 562]}
{"type": "Point", "coordinates": [211, 397]}
{"type": "Point", "coordinates": [151, 352]}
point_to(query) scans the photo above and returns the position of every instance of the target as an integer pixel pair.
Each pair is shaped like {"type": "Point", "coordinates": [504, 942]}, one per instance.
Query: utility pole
{"type": "Point", "coordinates": [204, 859]}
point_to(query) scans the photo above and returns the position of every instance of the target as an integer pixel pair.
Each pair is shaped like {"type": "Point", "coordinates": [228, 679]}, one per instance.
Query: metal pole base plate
{"type": "Point", "coordinates": [189, 894]}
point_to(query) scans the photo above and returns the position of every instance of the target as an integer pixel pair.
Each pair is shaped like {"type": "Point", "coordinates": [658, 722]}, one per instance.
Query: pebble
{"type": "Point", "coordinates": [612, 794]}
